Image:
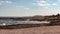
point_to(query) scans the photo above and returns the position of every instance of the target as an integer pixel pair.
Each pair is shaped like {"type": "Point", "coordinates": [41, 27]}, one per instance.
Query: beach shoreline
{"type": "Point", "coordinates": [33, 30]}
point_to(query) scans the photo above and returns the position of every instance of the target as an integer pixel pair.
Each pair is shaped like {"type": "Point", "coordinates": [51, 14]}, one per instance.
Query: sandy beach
{"type": "Point", "coordinates": [33, 30]}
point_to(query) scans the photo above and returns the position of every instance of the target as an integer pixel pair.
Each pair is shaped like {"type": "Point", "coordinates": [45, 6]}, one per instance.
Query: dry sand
{"type": "Point", "coordinates": [34, 30]}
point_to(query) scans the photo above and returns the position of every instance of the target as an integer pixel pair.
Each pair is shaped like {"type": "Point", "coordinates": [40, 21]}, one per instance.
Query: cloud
{"type": "Point", "coordinates": [5, 2]}
{"type": "Point", "coordinates": [48, 0]}
{"type": "Point", "coordinates": [26, 8]}
{"type": "Point", "coordinates": [19, 6]}
{"type": "Point", "coordinates": [9, 2]}
{"type": "Point", "coordinates": [0, 4]}
{"type": "Point", "coordinates": [2, 1]}
{"type": "Point", "coordinates": [43, 3]}
{"type": "Point", "coordinates": [58, 0]}
{"type": "Point", "coordinates": [22, 7]}
{"type": "Point", "coordinates": [54, 4]}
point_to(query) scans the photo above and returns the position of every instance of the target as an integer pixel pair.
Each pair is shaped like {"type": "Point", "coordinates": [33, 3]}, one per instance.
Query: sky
{"type": "Point", "coordinates": [29, 7]}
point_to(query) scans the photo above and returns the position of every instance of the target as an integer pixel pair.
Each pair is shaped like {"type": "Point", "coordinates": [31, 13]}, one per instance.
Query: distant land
{"type": "Point", "coordinates": [54, 20]}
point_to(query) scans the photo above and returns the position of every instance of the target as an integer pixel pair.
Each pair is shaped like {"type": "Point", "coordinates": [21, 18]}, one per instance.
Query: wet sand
{"type": "Point", "coordinates": [33, 30]}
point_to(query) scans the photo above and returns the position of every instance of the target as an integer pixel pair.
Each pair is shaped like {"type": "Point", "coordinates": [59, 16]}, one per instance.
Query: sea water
{"type": "Point", "coordinates": [11, 22]}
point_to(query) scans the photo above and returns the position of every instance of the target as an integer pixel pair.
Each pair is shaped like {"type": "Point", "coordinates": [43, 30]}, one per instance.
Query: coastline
{"type": "Point", "coordinates": [20, 26]}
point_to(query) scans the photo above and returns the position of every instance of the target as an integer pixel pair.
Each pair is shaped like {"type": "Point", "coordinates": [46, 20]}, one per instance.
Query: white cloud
{"type": "Point", "coordinates": [26, 8]}
{"type": "Point", "coordinates": [48, 0]}
{"type": "Point", "coordinates": [43, 3]}
{"type": "Point", "coordinates": [0, 4]}
{"type": "Point", "coordinates": [9, 2]}
{"type": "Point", "coordinates": [22, 7]}
{"type": "Point", "coordinates": [2, 1]}
{"type": "Point", "coordinates": [54, 4]}
{"type": "Point", "coordinates": [18, 6]}
{"type": "Point", "coordinates": [5, 2]}
{"type": "Point", "coordinates": [58, 0]}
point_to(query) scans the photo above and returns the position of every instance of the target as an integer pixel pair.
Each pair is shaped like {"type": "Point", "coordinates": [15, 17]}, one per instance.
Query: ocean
{"type": "Point", "coordinates": [11, 22]}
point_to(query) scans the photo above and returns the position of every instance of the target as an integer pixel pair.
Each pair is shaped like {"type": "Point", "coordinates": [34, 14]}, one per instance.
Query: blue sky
{"type": "Point", "coordinates": [29, 7]}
